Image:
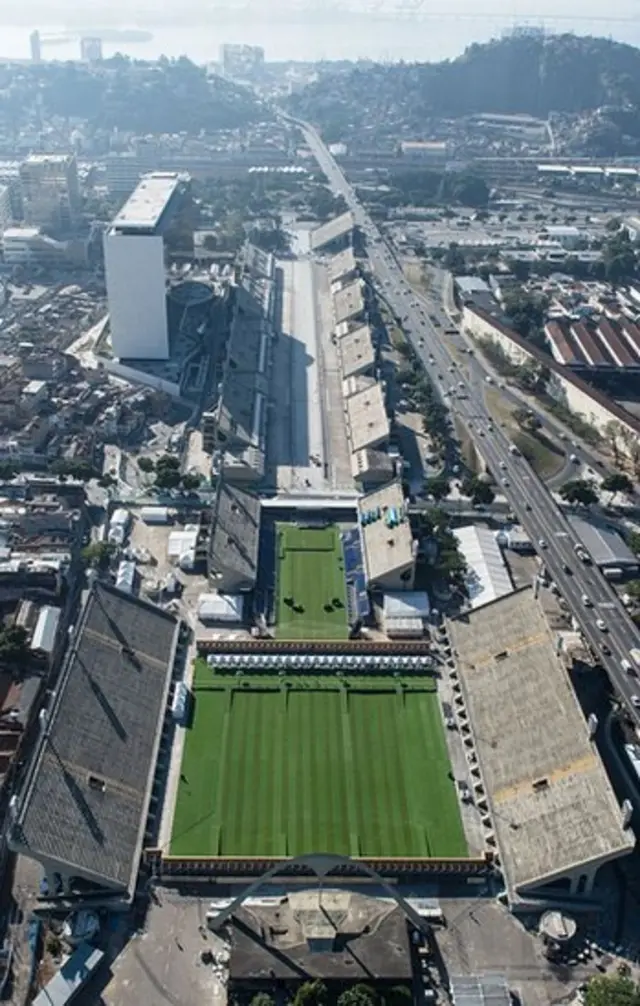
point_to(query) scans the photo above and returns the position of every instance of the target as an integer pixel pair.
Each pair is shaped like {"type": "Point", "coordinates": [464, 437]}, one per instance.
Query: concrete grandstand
{"type": "Point", "coordinates": [84, 809]}
{"type": "Point", "coordinates": [555, 814]}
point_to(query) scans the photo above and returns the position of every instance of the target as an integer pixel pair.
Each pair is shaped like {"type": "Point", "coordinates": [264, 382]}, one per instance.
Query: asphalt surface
{"type": "Point", "coordinates": [530, 499]}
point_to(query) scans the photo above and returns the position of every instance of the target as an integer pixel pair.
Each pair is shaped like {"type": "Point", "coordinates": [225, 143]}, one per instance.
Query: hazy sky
{"type": "Point", "coordinates": [311, 29]}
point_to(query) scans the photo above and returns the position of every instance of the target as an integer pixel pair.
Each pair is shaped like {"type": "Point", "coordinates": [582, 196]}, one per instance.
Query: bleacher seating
{"type": "Point", "coordinates": [357, 597]}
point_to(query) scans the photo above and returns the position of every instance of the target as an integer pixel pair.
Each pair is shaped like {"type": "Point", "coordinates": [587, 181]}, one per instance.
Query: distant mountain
{"type": "Point", "coordinates": [524, 73]}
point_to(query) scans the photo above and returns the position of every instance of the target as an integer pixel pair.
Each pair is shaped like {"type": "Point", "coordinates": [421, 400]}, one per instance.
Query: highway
{"type": "Point", "coordinates": [463, 390]}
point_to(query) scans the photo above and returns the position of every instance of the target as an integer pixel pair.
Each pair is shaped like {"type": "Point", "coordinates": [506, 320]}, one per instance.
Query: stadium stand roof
{"type": "Point", "coordinates": [342, 264]}
{"type": "Point", "coordinates": [234, 538]}
{"type": "Point", "coordinates": [367, 419]}
{"type": "Point", "coordinates": [348, 301]}
{"type": "Point", "coordinates": [387, 541]}
{"type": "Point", "coordinates": [332, 230]}
{"type": "Point", "coordinates": [604, 543]}
{"type": "Point", "coordinates": [84, 807]}
{"type": "Point", "coordinates": [357, 354]}
{"type": "Point", "coordinates": [487, 576]}
{"type": "Point", "coordinates": [554, 811]}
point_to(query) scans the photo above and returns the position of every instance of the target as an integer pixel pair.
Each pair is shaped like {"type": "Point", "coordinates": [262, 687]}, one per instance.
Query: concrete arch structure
{"type": "Point", "coordinates": [322, 865]}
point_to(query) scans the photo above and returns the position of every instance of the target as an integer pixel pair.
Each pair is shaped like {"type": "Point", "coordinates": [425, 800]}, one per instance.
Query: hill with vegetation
{"type": "Point", "coordinates": [170, 96]}
{"type": "Point", "coordinates": [519, 74]}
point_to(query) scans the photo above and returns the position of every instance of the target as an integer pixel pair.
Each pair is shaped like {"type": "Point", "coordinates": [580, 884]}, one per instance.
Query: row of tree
{"type": "Point", "coordinates": [584, 491]}
{"type": "Point", "coordinates": [316, 993]}
{"type": "Point", "coordinates": [167, 473]}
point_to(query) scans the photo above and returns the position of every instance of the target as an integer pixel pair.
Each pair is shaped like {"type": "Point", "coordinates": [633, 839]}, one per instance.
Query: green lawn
{"type": "Point", "coordinates": [310, 577]}
{"type": "Point", "coordinates": [275, 770]}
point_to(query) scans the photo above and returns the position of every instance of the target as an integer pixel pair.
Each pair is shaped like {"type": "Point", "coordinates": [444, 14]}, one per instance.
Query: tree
{"type": "Point", "coordinates": [98, 554]}
{"type": "Point", "coordinates": [633, 589]}
{"type": "Point", "coordinates": [167, 478]}
{"type": "Point", "coordinates": [617, 482]}
{"type": "Point", "coordinates": [8, 471]}
{"type": "Point", "coordinates": [358, 995]}
{"type": "Point", "coordinates": [454, 259]}
{"type": "Point", "coordinates": [579, 491]}
{"type": "Point", "coordinates": [14, 649]}
{"type": "Point", "coordinates": [314, 993]}
{"type": "Point", "coordinates": [107, 481]}
{"type": "Point", "coordinates": [526, 419]}
{"type": "Point", "coordinates": [614, 990]}
{"type": "Point", "coordinates": [167, 461]}
{"type": "Point", "coordinates": [437, 486]}
{"type": "Point", "coordinates": [619, 257]}
{"type": "Point", "coordinates": [483, 493]}
{"type": "Point", "coordinates": [262, 999]}
{"type": "Point", "coordinates": [633, 541]}
{"type": "Point", "coordinates": [146, 464]}
{"type": "Point", "coordinates": [527, 312]}
{"type": "Point", "coordinates": [191, 481]}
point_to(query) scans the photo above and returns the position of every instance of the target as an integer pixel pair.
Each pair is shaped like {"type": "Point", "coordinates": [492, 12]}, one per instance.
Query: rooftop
{"type": "Point", "coordinates": [342, 264]}
{"type": "Point", "coordinates": [367, 420]}
{"type": "Point", "coordinates": [86, 801]}
{"type": "Point", "coordinates": [332, 230]}
{"type": "Point", "coordinates": [487, 575]}
{"type": "Point", "coordinates": [495, 318]}
{"type": "Point", "coordinates": [356, 351]}
{"type": "Point", "coordinates": [603, 542]}
{"type": "Point", "coordinates": [235, 532]}
{"type": "Point", "coordinates": [348, 302]}
{"type": "Point", "coordinates": [148, 201]}
{"type": "Point", "coordinates": [553, 806]}
{"type": "Point", "coordinates": [385, 548]}
{"type": "Point", "coordinates": [333, 934]}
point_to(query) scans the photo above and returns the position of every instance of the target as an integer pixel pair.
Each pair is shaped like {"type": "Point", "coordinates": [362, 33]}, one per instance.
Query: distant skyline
{"type": "Point", "coordinates": [197, 28]}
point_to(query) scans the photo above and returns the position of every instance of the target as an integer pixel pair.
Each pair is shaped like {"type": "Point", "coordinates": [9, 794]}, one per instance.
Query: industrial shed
{"type": "Point", "coordinates": [487, 575]}
{"type": "Point", "coordinates": [604, 544]}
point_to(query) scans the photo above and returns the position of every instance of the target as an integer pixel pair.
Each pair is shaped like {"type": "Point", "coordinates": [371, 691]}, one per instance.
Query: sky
{"type": "Point", "coordinates": [307, 29]}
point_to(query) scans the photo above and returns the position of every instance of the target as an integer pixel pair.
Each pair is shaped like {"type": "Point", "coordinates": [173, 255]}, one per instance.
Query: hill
{"type": "Point", "coordinates": [170, 96]}
{"type": "Point", "coordinates": [528, 73]}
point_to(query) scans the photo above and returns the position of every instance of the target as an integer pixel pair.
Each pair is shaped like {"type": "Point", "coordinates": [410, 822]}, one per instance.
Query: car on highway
{"type": "Point", "coordinates": [505, 482]}
{"type": "Point", "coordinates": [602, 625]}
{"type": "Point", "coordinates": [586, 600]}
{"type": "Point", "coordinates": [635, 700]}
{"type": "Point", "coordinates": [605, 649]}
{"type": "Point", "coordinates": [542, 543]}
{"type": "Point", "coordinates": [567, 568]}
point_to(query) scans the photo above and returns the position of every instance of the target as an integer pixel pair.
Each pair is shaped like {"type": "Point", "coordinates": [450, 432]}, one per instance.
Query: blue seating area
{"type": "Point", "coordinates": [357, 597]}
{"type": "Point", "coordinates": [265, 591]}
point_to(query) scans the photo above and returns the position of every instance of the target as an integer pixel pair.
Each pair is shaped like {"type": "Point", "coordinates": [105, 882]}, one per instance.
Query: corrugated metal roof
{"type": "Point", "coordinates": [488, 577]}
{"type": "Point", "coordinates": [605, 546]}
{"type": "Point", "coordinates": [44, 634]}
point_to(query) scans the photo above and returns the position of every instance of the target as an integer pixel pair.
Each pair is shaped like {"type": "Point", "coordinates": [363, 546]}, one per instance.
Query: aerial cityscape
{"type": "Point", "coordinates": [320, 519]}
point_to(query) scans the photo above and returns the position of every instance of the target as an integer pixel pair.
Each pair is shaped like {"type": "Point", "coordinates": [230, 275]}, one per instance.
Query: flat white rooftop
{"type": "Point", "coordinates": [147, 202]}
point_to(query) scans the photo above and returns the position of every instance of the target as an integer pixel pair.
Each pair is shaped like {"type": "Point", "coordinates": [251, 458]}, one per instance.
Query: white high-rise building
{"type": "Point", "coordinates": [134, 255]}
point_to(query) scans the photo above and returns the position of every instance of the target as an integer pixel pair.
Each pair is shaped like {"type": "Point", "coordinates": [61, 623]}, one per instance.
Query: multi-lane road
{"type": "Point", "coordinates": [589, 596]}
